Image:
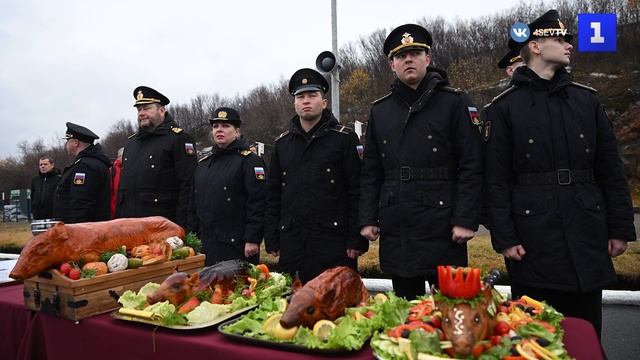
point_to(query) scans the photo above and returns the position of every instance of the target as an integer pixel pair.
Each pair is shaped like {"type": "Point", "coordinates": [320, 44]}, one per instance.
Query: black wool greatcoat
{"type": "Point", "coordinates": [416, 214]}
{"type": "Point", "coordinates": [312, 200]}
{"type": "Point", "coordinates": [555, 126]}
{"type": "Point", "coordinates": [157, 171]}
{"type": "Point", "coordinates": [84, 191]}
{"type": "Point", "coordinates": [226, 209]}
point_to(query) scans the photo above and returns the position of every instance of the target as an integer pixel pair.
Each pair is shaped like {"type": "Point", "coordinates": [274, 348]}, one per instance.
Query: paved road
{"type": "Point", "coordinates": [621, 332]}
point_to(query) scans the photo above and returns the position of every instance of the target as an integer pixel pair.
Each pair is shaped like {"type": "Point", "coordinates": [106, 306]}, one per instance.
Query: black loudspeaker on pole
{"type": "Point", "coordinates": [325, 62]}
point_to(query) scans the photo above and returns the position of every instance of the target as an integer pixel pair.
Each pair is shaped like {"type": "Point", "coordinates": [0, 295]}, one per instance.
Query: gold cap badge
{"type": "Point", "coordinates": [222, 114]}
{"type": "Point", "coordinates": [561, 25]}
{"type": "Point", "coordinates": [304, 81]}
{"type": "Point", "coordinates": [406, 38]}
{"type": "Point", "coordinates": [140, 95]}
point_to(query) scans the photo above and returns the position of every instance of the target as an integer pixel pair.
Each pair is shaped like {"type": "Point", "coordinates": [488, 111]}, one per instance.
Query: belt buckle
{"type": "Point", "coordinates": [405, 173]}
{"type": "Point", "coordinates": [564, 176]}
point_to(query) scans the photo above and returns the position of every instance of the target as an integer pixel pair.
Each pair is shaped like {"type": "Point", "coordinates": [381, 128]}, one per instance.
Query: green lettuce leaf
{"type": "Point", "coordinates": [425, 342]}
{"type": "Point", "coordinates": [207, 312]}
{"type": "Point", "coordinates": [148, 289]}
{"type": "Point", "coordinates": [164, 309]}
{"type": "Point", "coordinates": [131, 300]}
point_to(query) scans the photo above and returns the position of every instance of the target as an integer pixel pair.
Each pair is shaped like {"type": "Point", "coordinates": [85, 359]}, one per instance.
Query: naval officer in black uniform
{"type": "Point", "coordinates": [84, 191]}
{"type": "Point", "coordinates": [157, 164]}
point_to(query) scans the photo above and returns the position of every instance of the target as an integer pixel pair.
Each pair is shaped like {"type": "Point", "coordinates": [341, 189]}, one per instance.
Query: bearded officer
{"type": "Point", "coordinates": [158, 163]}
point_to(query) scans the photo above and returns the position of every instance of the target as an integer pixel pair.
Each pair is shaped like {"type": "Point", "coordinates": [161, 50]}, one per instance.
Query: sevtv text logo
{"type": "Point", "coordinates": [597, 32]}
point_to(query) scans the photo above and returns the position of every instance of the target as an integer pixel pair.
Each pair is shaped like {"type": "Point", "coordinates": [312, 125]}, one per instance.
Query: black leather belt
{"type": "Point", "coordinates": [406, 173]}
{"type": "Point", "coordinates": [560, 177]}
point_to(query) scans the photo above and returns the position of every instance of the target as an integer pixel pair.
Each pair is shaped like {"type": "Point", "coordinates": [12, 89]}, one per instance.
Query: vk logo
{"type": "Point", "coordinates": [597, 32]}
{"type": "Point", "coordinates": [519, 32]}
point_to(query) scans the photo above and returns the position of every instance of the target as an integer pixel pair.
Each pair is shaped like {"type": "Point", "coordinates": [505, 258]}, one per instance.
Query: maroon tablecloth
{"type": "Point", "coordinates": [25, 334]}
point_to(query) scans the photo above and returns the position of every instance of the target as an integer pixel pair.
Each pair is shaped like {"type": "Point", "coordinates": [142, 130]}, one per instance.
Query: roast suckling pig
{"type": "Point", "coordinates": [325, 297]}
{"type": "Point", "coordinates": [86, 241]}
{"type": "Point", "coordinates": [180, 286]}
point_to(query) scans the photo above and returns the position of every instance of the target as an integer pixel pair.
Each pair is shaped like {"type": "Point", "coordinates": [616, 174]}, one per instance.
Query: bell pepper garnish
{"type": "Point", "coordinates": [461, 283]}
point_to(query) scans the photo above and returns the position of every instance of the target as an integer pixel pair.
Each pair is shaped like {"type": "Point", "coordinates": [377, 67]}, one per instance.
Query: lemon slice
{"type": "Point", "coordinates": [526, 351]}
{"type": "Point", "coordinates": [282, 304]}
{"type": "Point", "coordinates": [273, 328]}
{"type": "Point", "coordinates": [380, 298]}
{"type": "Point", "coordinates": [323, 328]}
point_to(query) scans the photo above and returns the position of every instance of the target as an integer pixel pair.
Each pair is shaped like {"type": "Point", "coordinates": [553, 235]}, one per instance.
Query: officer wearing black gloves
{"type": "Point", "coordinates": [226, 209]}
{"type": "Point", "coordinates": [422, 174]}
{"type": "Point", "coordinates": [559, 204]}
{"type": "Point", "coordinates": [84, 191]}
{"type": "Point", "coordinates": [313, 186]}
{"type": "Point", "coordinates": [157, 164]}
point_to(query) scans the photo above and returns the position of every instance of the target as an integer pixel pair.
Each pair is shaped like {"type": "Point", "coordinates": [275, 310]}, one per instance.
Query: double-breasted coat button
{"type": "Point", "coordinates": [224, 188]}
{"type": "Point", "coordinates": [155, 200]}
{"type": "Point", "coordinates": [328, 170]}
{"type": "Point", "coordinates": [335, 223]}
{"type": "Point", "coordinates": [530, 141]}
{"type": "Point", "coordinates": [435, 149]}
{"type": "Point", "coordinates": [527, 211]}
{"type": "Point", "coordinates": [429, 137]}
{"type": "Point", "coordinates": [152, 166]}
{"type": "Point", "coordinates": [233, 240]}
{"type": "Point", "coordinates": [581, 136]}
{"type": "Point", "coordinates": [150, 156]}
{"type": "Point", "coordinates": [441, 203]}
{"type": "Point", "coordinates": [527, 155]}
{"type": "Point", "coordinates": [229, 199]}
{"type": "Point", "coordinates": [587, 150]}
{"type": "Point", "coordinates": [384, 141]}
{"type": "Point", "coordinates": [332, 181]}
{"type": "Point", "coordinates": [383, 155]}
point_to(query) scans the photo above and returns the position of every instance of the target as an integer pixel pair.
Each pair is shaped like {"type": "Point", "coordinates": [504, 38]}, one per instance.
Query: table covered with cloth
{"type": "Point", "coordinates": [25, 334]}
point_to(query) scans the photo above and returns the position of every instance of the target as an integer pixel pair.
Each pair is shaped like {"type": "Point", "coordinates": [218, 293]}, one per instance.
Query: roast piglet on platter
{"type": "Point", "coordinates": [180, 286]}
{"type": "Point", "coordinates": [325, 297]}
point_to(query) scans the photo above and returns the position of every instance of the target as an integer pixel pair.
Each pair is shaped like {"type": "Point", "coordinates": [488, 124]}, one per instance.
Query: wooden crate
{"type": "Point", "coordinates": [53, 293]}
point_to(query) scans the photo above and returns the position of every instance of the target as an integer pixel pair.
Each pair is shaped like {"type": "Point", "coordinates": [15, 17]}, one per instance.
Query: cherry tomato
{"type": "Point", "coordinates": [74, 274]}
{"type": "Point", "coordinates": [65, 268]}
{"type": "Point", "coordinates": [502, 328]}
{"type": "Point", "coordinates": [477, 349]}
{"type": "Point", "coordinates": [496, 339]}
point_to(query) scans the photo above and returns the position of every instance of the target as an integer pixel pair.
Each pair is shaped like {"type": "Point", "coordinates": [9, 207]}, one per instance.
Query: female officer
{"type": "Point", "coordinates": [227, 204]}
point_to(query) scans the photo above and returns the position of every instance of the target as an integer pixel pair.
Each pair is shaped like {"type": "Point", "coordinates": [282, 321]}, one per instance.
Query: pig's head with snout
{"type": "Point", "coordinates": [42, 252]}
{"type": "Point", "coordinates": [177, 288]}
{"type": "Point", "coordinates": [465, 325]}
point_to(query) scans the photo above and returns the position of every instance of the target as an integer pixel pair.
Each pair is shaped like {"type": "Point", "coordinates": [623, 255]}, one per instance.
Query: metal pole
{"type": "Point", "coordinates": [335, 74]}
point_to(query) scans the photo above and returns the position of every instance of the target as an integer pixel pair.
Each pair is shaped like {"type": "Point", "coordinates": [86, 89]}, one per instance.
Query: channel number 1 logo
{"type": "Point", "coordinates": [597, 32]}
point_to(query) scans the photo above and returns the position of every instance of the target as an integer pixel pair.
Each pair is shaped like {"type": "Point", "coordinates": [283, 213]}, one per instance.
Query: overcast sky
{"type": "Point", "coordinates": [79, 61]}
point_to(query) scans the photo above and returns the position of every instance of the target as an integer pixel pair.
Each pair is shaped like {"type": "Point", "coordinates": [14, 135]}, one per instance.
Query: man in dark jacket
{"type": "Point", "coordinates": [313, 189]}
{"type": "Point", "coordinates": [158, 163]}
{"type": "Point", "coordinates": [558, 199]}
{"type": "Point", "coordinates": [84, 191]}
{"type": "Point", "coordinates": [422, 174]}
{"type": "Point", "coordinates": [226, 209]}
{"type": "Point", "coordinates": [43, 188]}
